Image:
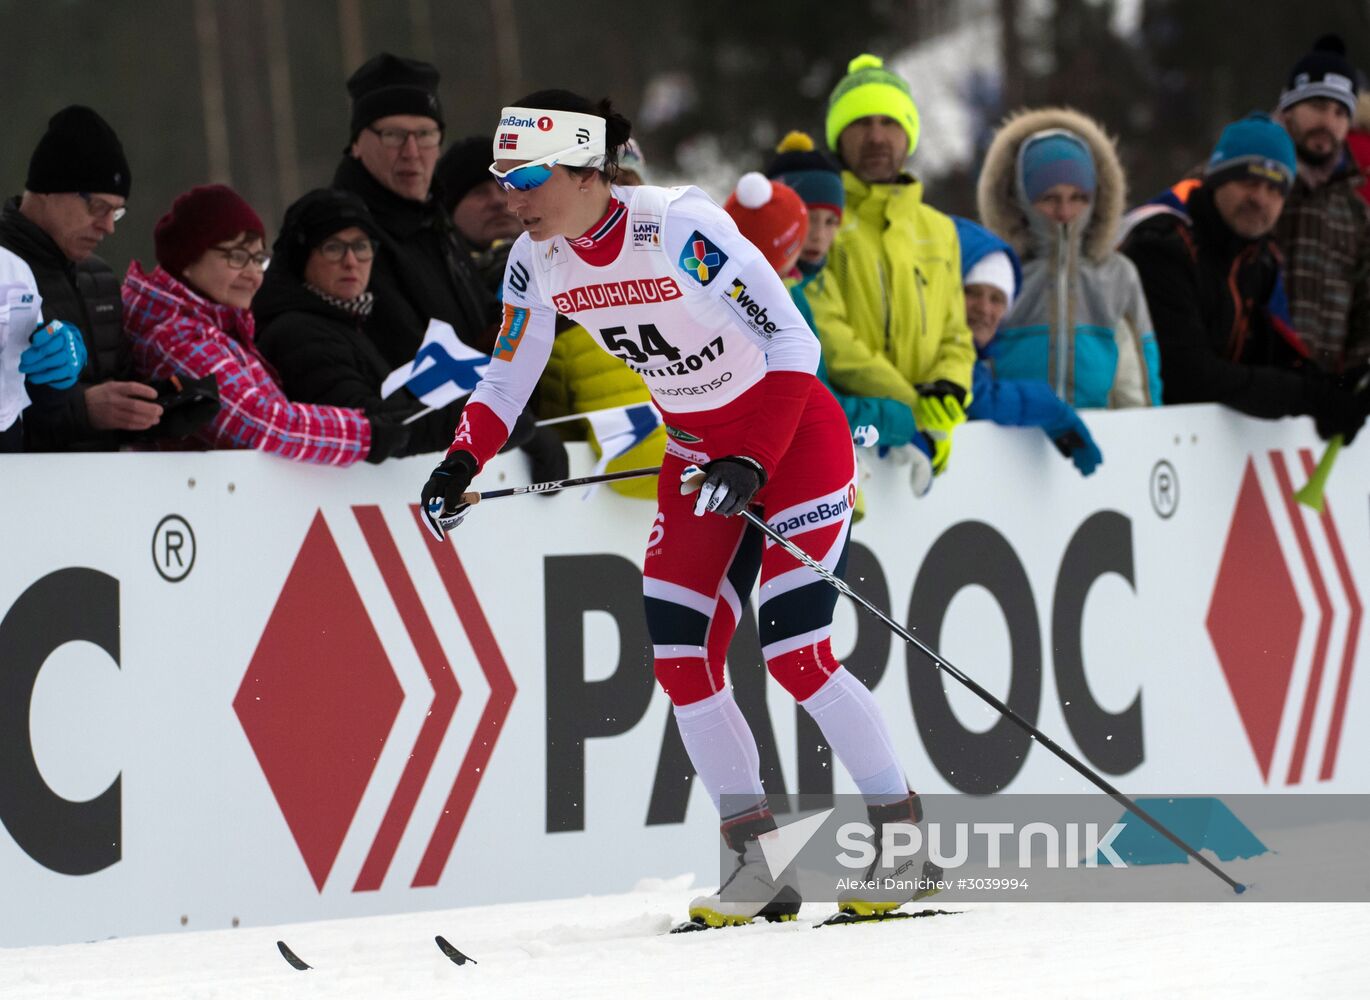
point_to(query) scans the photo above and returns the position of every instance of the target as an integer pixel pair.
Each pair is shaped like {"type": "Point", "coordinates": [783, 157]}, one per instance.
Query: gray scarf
{"type": "Point", "coordinates": [359, 307]}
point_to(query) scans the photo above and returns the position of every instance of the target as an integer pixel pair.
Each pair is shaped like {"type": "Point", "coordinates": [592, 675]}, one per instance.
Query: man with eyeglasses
{"type": "Point", "coordinates": [423, 270]}
{"type": "Point", "coordinates": [77, 185]}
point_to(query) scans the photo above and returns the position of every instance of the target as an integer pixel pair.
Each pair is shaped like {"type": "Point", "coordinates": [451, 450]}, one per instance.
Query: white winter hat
{"type": "Point", "coordinates": [993, 269]}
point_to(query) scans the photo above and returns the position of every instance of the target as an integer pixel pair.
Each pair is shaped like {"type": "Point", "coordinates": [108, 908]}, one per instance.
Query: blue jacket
{"type": "Point", "coordinates": [1015, 402]}
{"type": "Point", "coordinates": [1020, 402]}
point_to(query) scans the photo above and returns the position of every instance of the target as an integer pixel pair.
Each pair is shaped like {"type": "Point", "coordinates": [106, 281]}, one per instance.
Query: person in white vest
{"type": "Point", "coordinates": [30, 352]}
{"type": "Point", "coordinates": [662, 278]}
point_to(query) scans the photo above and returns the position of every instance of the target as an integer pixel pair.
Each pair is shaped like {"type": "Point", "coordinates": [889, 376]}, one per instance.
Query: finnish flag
{"type": "Point", "coordinates": [443, 371]}
{"type": "Point", "coordinates": [618, 430]}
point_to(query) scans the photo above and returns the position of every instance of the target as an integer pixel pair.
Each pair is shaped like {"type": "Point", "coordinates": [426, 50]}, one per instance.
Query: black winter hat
{"type": "Point", "coordinates": [312, 219]}
{"type": "Point", "coordinates": [393, 85]}
{"type": "Point", "coordinates": [1324, 72]}
{"type": "Point", "coordinates": [79, 153]}
{"type": "Point", "coordinates": [461, 168]}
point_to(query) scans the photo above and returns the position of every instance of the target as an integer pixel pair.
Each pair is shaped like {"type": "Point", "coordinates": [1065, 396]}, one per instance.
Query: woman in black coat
{"type": "Point", "coordinates": [311, 314]}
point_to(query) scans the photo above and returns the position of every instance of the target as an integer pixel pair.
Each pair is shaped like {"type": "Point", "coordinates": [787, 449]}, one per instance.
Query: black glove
{"type": "Point", "coordinates": [441, 502]}
{"type": "Point", "coordinates": [187, 405]}
{"type": "Point", "coordinates": [388, 437]}
{"type": "Point", "coordinates": [547, 456]}
{"type": "Point", "coordinates": [729, 485]}
{"type": "Point", "coordinates": [1334, 410]}
{"type": "Point", "coordinates": [942, 388]}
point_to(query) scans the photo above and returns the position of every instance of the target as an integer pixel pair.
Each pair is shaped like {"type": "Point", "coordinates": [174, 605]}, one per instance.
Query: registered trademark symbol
{"type": "Point", "coordinates": [1165, 489]}
{"type": "Point", "coordinates": [173, 548]}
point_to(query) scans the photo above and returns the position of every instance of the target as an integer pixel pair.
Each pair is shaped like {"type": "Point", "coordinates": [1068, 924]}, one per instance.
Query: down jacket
{"type": "Point", "coordinates": [1080, 321]}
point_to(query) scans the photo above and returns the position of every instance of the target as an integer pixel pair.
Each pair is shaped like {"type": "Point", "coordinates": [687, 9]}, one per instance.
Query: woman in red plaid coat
{"type": "Point", "coordinates": [191, 317]}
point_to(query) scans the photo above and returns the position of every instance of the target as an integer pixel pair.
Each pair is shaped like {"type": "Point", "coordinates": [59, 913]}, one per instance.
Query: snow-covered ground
{"type": "Point", "coordinates": [615, 946]}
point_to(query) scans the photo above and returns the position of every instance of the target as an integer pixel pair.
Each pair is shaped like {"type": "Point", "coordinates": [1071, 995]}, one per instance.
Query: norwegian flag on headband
{"type": "Point", "coordinates": [538, 132]}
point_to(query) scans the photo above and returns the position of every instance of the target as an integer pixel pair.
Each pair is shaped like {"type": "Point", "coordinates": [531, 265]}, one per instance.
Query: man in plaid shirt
{"type": "Point", "coordinates": [1324, 230]}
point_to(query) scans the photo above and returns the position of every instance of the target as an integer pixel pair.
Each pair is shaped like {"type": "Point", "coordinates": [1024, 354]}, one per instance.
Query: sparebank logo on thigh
{"type": "Point", "coordinates": [816, 513]}
{"type": "Point", "coordinates": [351, 699]}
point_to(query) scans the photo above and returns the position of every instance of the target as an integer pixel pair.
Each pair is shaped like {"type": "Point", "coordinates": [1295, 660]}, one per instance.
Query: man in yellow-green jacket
{"type": "Point", "coordinates": [889, 305]}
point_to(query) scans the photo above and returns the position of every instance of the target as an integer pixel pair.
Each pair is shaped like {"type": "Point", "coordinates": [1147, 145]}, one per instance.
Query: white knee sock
{"type": "Point", "coordinates": [851, 722]}
{"type": "Point", "coordinates": [723, 751]}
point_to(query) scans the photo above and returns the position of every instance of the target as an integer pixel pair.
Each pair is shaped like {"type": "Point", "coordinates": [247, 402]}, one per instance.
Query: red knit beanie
{"type": "Point", "coordinates": [770, 215]}
{"type": "Point", "coordinates": [199, 219]}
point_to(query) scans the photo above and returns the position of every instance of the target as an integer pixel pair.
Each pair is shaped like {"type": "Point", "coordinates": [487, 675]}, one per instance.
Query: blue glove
{"type": "Point", "coordinates": [1073, 440]}
{"type": "Point", "coordinates": [55, 357]}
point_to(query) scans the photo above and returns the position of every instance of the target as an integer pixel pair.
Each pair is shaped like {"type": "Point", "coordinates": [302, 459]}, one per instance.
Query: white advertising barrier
{"type": "Point", "coordinates": [234, 689]}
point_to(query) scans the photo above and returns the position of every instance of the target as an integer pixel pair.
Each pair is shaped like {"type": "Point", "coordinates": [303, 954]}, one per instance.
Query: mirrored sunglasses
{"type": "Point", "coordinates": [526, 176]}
{"type": "Point", "coordinates": [535, 173]}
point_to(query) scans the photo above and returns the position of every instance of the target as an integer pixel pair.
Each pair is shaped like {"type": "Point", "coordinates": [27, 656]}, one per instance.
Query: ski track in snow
{"type": "Point", "coordinates": [616, 946]}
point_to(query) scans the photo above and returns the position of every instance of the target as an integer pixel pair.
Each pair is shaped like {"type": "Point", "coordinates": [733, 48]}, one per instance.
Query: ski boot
{"type": "Point", "coordinates": [886, 887]}
{"type": "Point", "coordinates": [749, 891]}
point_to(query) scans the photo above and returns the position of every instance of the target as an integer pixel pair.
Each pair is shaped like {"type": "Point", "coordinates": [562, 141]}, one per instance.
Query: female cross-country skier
{"type": "Point", "coordinates": [662, 279]}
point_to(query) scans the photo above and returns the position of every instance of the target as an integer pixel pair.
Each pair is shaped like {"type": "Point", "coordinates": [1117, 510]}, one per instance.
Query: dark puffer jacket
{"type": "Point", "coordinates": [322, 356]}
{"type": "Point", "coordinates": [86, 295]}
{"type": "Point", "coordinates": [1210, 294]}
{"type": "Point", "coordinates": [423, 272]}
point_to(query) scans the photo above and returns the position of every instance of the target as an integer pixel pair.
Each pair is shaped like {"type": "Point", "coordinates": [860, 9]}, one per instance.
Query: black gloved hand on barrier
{"type": "Point", "coordinates": [187, 405]}
{"type": "Point", "coordinates": [388, 438]}
{"type": "Point", "coordinates": [441, 502]}
{"type": "Point", "coordinates": [1334, 410]}
{"type": "Point", "coordinates": [547, 456]}
{"type": "Point", "coordinates": [729, 485]}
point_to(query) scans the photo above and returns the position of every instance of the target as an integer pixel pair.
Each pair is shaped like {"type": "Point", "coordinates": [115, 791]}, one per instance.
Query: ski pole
{"type": "Point", "coordinates": [1033, 731]}
{"type": "Point", "coordinates": [474, 497]}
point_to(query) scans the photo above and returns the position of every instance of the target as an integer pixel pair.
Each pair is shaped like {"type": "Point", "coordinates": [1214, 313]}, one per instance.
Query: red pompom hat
{"type": "Point", "coordinates": [199, 219]}
{"type": "Point", "coordinates": [770, 215]}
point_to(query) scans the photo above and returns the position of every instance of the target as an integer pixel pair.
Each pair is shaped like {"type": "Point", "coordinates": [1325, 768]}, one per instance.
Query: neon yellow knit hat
{"type": "Point", "coordinates": [870, 89]}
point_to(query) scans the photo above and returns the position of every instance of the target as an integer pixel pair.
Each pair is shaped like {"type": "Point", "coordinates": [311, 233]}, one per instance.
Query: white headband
{"type": "Point", "coordinates": [532, 134]}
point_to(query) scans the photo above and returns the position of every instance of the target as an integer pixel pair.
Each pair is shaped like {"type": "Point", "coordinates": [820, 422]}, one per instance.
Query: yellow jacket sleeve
{"type": "Point", "coordinates": [853, 367]}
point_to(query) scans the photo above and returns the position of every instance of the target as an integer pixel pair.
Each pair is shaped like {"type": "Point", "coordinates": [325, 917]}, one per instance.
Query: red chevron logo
{"type": "Point", "coordinates": [1258, 614]}
{"type": "Point", "coordinates": [320, 699]}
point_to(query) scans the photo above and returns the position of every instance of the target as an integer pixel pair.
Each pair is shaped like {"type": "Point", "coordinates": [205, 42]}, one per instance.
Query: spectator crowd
{"type": "Point", "coordinates": [1247, 283]}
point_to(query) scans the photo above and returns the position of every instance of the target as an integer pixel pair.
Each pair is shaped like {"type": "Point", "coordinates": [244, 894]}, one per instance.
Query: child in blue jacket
{"type": "Point", "coordinates": [991, 276]}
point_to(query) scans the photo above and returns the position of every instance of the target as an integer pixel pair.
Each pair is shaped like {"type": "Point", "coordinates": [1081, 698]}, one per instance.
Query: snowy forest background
{"type": "Point", "coordinates": [251, 92]}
